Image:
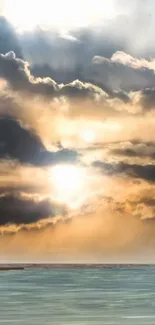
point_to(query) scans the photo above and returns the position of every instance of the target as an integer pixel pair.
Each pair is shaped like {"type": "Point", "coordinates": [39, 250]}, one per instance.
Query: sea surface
{"type": "Point", "coordinates": [111, 296]}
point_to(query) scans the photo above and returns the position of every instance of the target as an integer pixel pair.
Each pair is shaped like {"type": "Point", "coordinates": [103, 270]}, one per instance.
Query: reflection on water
{"type": "Point", "coordinates": [78, 296]}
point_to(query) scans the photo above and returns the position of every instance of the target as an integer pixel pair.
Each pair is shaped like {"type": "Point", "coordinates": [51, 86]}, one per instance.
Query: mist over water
{"type": "Point", "coordinates": [116, 296]}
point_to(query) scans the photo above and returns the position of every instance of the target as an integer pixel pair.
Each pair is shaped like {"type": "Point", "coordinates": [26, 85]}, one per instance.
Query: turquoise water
{"type": "Point", "coordinates": [78, 296]}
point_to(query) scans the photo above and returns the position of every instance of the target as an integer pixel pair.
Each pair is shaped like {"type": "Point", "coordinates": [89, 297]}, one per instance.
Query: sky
{"type": "Point", "coordinates": [77, 132]}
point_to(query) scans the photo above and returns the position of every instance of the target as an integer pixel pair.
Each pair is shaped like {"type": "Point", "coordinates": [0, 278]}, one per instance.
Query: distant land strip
{"type": "Point", "coordinates": [19, 267]}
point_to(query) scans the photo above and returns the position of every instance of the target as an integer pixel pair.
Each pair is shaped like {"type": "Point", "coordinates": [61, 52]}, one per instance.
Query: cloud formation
{"type": "Point", "coordinates": [85, 98]}
{"type": "Point", "coordinates": [123, 71]}
{"type": "Point", "coordinates": [28, 149]}
{"type": "Point", "coordinates": [8, 38]}
{"type": "Point", "coordinates": [20, 209]}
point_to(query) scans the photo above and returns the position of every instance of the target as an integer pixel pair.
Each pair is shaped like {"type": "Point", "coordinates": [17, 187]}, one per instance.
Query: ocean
{"type": "Point", "coordinates": [95, 296]}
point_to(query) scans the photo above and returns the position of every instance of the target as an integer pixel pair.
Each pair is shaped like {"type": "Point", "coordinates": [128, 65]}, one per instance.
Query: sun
{"type": "Point", "coordinates": [88, 136]}
{"type": "Point", "coordinates": [68, 182]}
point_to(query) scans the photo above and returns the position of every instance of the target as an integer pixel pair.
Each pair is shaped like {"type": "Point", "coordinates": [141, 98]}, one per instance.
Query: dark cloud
{"type": "Point", "coordinates": [17, 210]}
{"type": "Point", "coordinates": [69, 56]}
{"type": "Point", "coordinates": [78, 89]}
{"type": "Point", "coordinates": [24, 146]}
{"type": "Point", "coordinates": [147, 98]}
{"type": "Point", "coordinates": [8, 38]}
{"type": "Point", "coordinates": [135, 149]}
{"type": "Point", "coordinates": [119, 72]}
{"type": "Point", "coordinates": [65, 57]}
{"type": "Point", "coordinates": [146, 172]}
{"type": "Point", "coordinates": [122, 71]}
{"type": "Point", "coordinates": [69, 78]}
{"type": "Point", "coordinates": [16, 72]}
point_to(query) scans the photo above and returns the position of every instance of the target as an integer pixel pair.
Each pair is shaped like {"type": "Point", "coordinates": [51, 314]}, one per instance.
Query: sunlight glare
{"type": "Point", "coordinates": [67, 183]}
{"type": "Point", "coordinates": [63, 14]}
{"type": "Point", "coordinates": [88, 136]}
